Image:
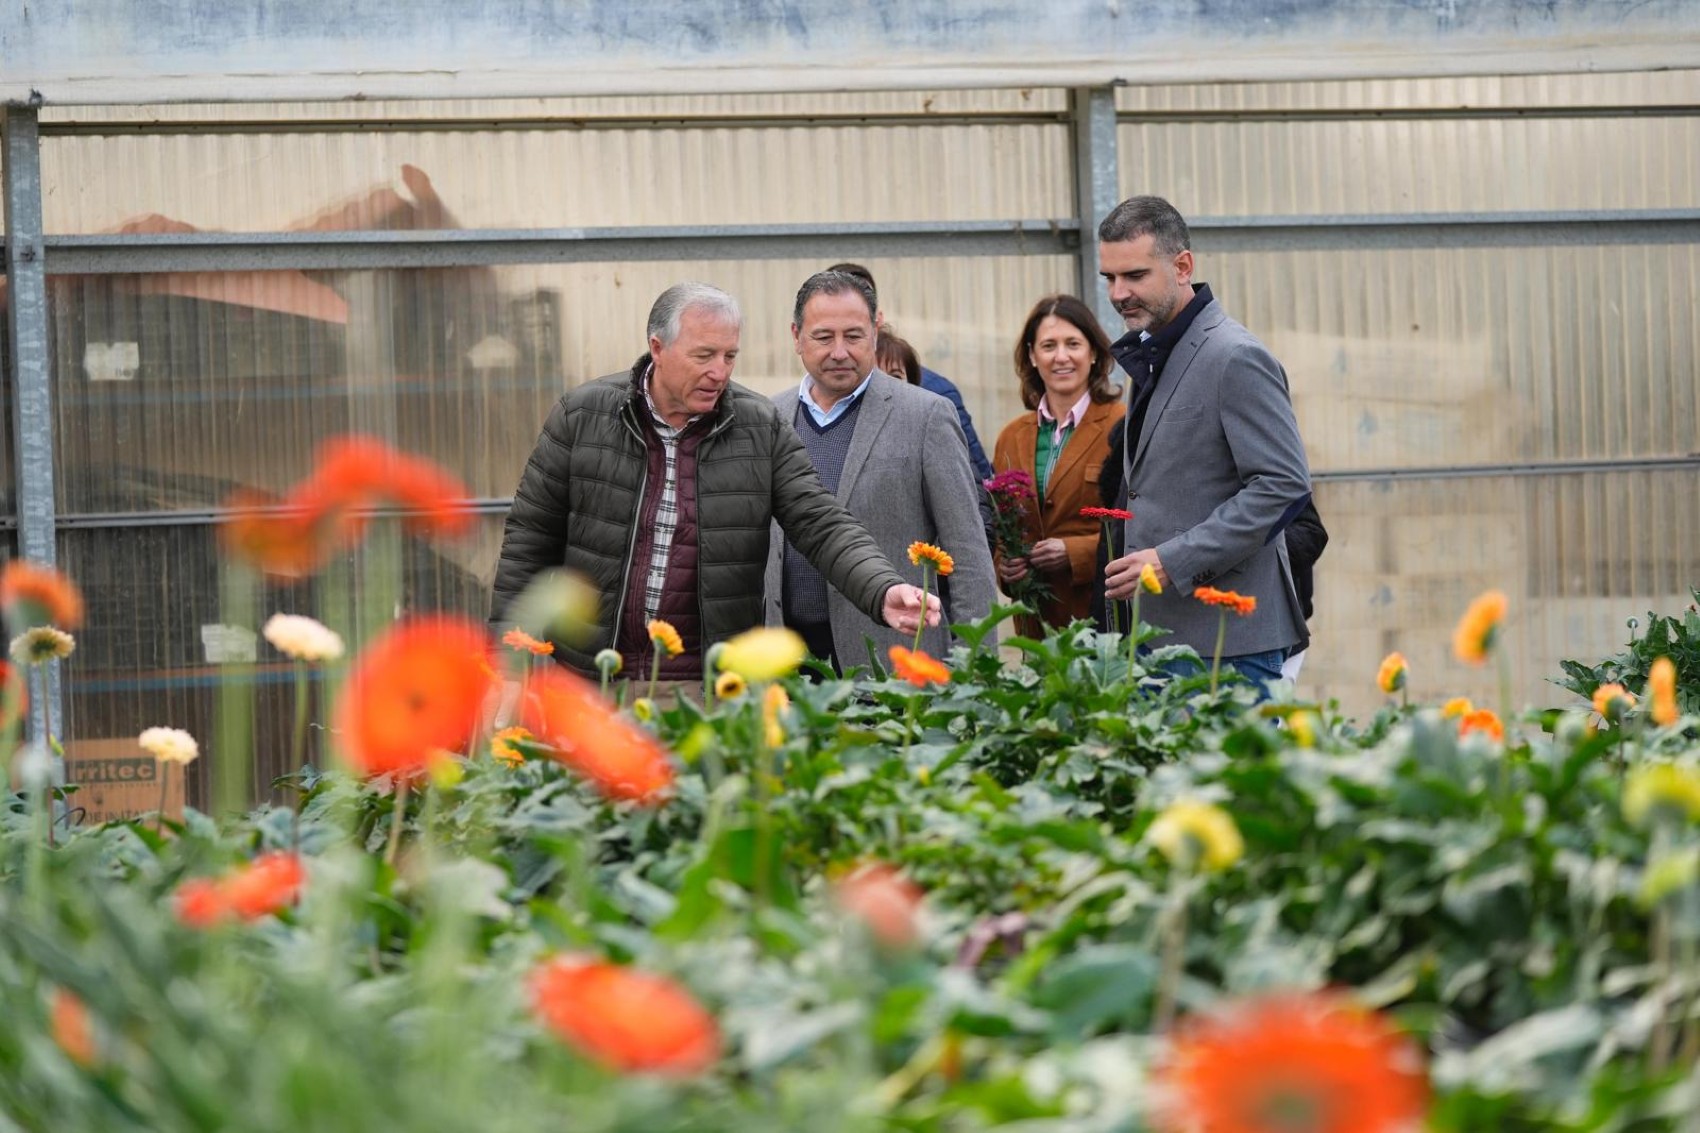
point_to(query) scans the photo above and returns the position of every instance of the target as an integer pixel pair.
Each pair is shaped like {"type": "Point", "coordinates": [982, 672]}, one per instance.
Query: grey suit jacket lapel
{"type": "Point", "coordinates": [870, 419]}
{"type": "Point", "coordinates": [1174, 372]}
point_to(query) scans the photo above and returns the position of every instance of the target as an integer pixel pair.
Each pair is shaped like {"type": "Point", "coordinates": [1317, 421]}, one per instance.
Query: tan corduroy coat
{"type": "Point", "coordinates": [1073, 485]}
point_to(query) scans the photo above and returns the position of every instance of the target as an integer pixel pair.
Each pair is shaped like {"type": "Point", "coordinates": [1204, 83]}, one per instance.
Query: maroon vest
{"type": "Point", "coordinates": [680, 599]}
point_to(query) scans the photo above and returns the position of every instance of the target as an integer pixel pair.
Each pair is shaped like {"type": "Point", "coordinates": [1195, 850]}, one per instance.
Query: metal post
{"type": "Point", "coordinates": [32, 403]}
{"type": "Point", "coordinates": [1097, 188]}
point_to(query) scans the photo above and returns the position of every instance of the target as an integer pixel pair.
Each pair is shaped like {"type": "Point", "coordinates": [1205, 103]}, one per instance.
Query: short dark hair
{"type": "Point", "coordinates": [1070, 310]}
{"type": "Point", "coordinates": [862, 274]}
{"type": "Point", "coordinates": [832, 283]}
{"type": "Point", "coordinates": [1147, 216]}
{"type": "Point", "coordinates": [892, 348]}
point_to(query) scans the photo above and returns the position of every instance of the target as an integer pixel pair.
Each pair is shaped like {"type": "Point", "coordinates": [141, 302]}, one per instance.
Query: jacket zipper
{"type": "Point", "coordinates": [631, 539]}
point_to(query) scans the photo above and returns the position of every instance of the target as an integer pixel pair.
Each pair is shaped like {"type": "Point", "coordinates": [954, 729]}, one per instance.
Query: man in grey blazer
{"type": "Point", "coordinates": [1217, 471]}
{"type": "Point", "coordinates": [895, 457]}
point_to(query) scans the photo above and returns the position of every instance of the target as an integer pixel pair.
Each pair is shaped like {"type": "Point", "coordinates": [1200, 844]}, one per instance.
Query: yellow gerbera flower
{"type": "Point", "coordinates": [729, 686]}
{"type": "Point", "coordinates": [1195, 835]}
{"type": "Point", "coordinates": [773, 702]}
{"type": "Point", "coordinates": [765, 653]}
{"type": "Point", "coordinates": [1457, 706]}
{"type": "Point", "coordinates": [1391, 677]}
{"type": "Point", "coordinates": [1148, 579]}
{"type": "Point", "coordinates": [42, 644]}
{"type": "Point", "coordinates": [1662, 790]}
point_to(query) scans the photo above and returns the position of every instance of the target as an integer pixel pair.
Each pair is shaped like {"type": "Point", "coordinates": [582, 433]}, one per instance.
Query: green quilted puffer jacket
{"type": "Point", "coordinates": [578, 499]}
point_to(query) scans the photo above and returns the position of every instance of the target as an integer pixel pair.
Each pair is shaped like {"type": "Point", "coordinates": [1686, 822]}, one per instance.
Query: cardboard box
{"type": "Point", "coordinates": [116, 780]}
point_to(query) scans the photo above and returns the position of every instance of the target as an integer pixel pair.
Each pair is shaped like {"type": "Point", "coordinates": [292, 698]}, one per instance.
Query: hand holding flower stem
{"type": "Point", "coordinates": [932, 560]}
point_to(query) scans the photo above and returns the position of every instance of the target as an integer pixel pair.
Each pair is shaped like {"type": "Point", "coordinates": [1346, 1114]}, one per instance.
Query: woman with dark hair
{"type": "Point", "coordinates": [896, 357]}
{"type": "Point", "coordinates": [1063, 361]}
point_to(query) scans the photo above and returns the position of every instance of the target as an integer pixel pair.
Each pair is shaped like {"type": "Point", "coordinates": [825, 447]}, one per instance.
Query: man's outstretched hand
{"type": "Point", "coordinates": [903, 608]}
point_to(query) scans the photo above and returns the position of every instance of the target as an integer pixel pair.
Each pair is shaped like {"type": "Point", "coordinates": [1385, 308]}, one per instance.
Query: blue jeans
{"type": "Point", "coordinates": [1258, 668]}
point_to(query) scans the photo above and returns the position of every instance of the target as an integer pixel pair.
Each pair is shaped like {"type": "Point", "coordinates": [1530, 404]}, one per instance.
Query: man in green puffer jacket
{"type": "Point", "coordinates": [658, 485]}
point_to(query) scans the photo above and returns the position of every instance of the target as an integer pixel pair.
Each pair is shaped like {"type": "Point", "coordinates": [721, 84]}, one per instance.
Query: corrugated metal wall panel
{"type": "Point", "coordinates": [1576, 554]}
{"type": "Point", "coordinates": [941, 102]}
{"type": "Point", "coordinates": [558, 179]}
{"type": "Point", "coordinates": [1286, 168]}
{"type": "Point", "coordinates": [1425, 358]}
{"type": "Point", "coordinates": [1404, 95]}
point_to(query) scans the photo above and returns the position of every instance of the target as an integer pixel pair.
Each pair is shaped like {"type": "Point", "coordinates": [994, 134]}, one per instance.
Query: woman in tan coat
{"type": "Point", "coordinates": [1063, 360]}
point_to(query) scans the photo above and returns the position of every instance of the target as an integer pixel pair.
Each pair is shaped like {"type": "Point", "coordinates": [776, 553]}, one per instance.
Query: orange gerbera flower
{"type": "Point", "coordinates": [1315, 1062]}
{"type": "Point", "coordinates": [286, 540]}
{"type": "Point", "coordinates": [503, 749]}
{"type": "Point", "coordinates": [525, 643]}
{"type": "Point", "coordinates": [1613, 701]}
{"type": "Point", "coordinates": [68, 1022]}
{"type": "Point", "coordinates": [1478, 629]}
{"type": "Point", "coordinates": [666, 637]}
{"type": "Point", "coordinates": [418, 688]}
{"type": "Point", "coordinates": [1661, 690]}
{"type": "Point", "coordinates": [1241, 604]}
{"type": "Point", "coordinates": [36, 595]}
{"type": "Point", "coordinates": [1483, 720]}
{"type": "Point", "coordinates": [622, 760]}
{"type": "Point", "coordinates": [269, 884]}
{"type": "Point", "coordinates": [883, 899]}
{"type": "Point", "coordinates": [917, 668]}
{"type": "Point", "coordinates": [1391, 677]}
{"type": "Point", "coordinates": [939, 558]}
{"type": "Point", "coordinates": [630, 1021]}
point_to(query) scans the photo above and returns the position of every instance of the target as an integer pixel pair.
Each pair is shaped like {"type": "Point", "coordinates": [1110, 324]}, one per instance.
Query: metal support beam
{"type": "Point", "coordinates": [32, 402]}
{"type": "Point", "coordinates": [1097, 189]}
{"type": "Point", "coordinates": [1380, 232]}
{"type": "Point", "coordinates": [359, 251]}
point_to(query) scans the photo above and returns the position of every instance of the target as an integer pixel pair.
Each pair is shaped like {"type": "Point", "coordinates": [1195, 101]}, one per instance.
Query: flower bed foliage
{"type": "Point", "coordinates": [1030, 897]}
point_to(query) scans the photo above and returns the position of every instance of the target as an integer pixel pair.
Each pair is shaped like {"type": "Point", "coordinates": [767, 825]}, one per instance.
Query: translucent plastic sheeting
{"type": "Point", "coordinates": [1576, 554]}
{"type": "Point", "coordinates": [173, 390]}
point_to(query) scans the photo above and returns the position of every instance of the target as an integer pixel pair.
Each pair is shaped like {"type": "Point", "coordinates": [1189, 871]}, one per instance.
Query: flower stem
{"type": "Point", "coordinates": [921, 625]}
{"type": "Point", "coordinates": [1132, 634]}
{"type": "Point", "coordinates": [396, 820]}
{"type": "Point", "coordinates": [654, 671]}
{"type": "Point", "coordinates": [159, 816]}
{"type": "Point", "coordinates": [1216, 658]}
{"type": "Point", "coordinates": [47, 727]}
{"type": "Point", "coordinates": [297, 753]}
{"type": "Point", "coordinates": [1174, 949]}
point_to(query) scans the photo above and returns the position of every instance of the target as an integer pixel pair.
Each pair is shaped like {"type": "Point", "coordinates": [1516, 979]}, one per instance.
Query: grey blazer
{"type": "Point", "coordinates": [1217, 473]}
{"type": "Point", "coordinates": [907, 477]}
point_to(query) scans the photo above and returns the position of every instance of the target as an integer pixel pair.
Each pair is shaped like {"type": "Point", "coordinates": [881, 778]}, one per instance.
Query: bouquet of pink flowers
{"type": "Point", "coordinates": [1010, 492]}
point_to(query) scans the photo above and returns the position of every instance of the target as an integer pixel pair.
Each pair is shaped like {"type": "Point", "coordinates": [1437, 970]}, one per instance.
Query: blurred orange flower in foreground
{"type": "Point", "coordinates": [569, 714]}
{"type": "Point", "coordinates": [14, 695]}
{"type": "Point", "coordinates": [35, 595]}
{"type": "Point", "coordinates": [1661, 689]}
{"type": "Point", "coordinates": [268, 884]}
{"type": "Point", "coordinates": [416, 689]}
{"type": "Point", "coordinates": [1314, 1062]}
{"type": "Point", "coordinates": [292, 536]}
{"type": "Point", "coordinates": [884, 900]}
{"type": "Point", "coordinates": [917, 668]}
{"type": "Point", "coordinates": [1478, 629]}
{"type": "Point", "coordinates": [627, 1020]}
{"type": "Point", "coordinates": [1483, 720]}
{"type": "Point", "coordinates": [519, 640]}
{"type": "Point", "coordinates": [68, 1021]}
